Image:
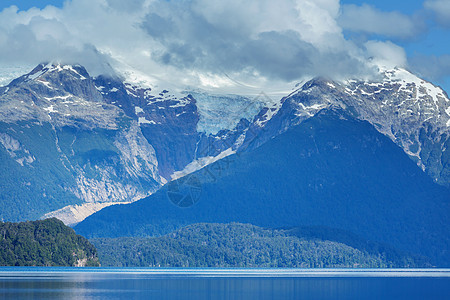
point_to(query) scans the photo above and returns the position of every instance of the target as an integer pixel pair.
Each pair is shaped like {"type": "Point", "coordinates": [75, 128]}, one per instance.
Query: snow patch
{"type": "Point", "coordinates": [405, 78]}
{"type": "Point", "coordinates": [58, 68]}
{"type": "Point", "coordinates": [57, 98]}
{"type": "Point", "coordinates": [37, 74]}
{"type": "Point", "coordinates": [50, 109]}
{"type": "Point", "coordinates": [201, 163]}
{"type": "Point", "coordinates": [71, 69]}
{"type": "Point", "coordinates": [271, 111]}
{"type": "Point", "coordinates": [143, 120]}
{"type": "Point", "coordinates": [316, 106]}
{"type": "Point", "coordinates": [181, 103]}
{"type": "Point", "coordinates": [309, 110]}
{"type": "Point", "coordinates": [46, 83]}
{"type": "Point", "coordinates": [365, 93]}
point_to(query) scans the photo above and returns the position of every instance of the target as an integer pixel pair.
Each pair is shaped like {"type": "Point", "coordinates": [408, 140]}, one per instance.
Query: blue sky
{"type": "Point", "coordinates": [27, 4]}
{"type": "Point", "coordinates": [212, 38]}
{"type": "Point", "coordinates": [433, 41]}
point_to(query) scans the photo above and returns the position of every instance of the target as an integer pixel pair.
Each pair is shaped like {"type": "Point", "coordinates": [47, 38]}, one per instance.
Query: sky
{"type": "Point", "coordinates": [216, 44]}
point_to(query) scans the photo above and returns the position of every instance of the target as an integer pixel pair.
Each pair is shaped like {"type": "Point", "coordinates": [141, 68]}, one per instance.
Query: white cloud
{"type": "Point", "coordinates": [284, 39]}
{"type": "Point", "coordinates": [386, 54]}
{"type": "Point", "coordinates": [257, 42]}
{"type": "Point", "coordinates": [441, 9]}
{"type": "Point", "coordinates": [369, 19]}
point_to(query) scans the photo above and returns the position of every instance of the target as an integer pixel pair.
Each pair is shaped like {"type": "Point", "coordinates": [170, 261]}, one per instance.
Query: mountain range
{"type": "Point", "coordinates": [366, 156]}
{"type": "Point", "coordinates": [73, 144]}
{"type": "Point", "coordinates": [331, 170]}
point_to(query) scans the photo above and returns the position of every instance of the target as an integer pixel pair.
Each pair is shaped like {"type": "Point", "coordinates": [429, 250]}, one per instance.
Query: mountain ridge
{"type": "Point", "coordinates": [159, 135]}
{"type": "Point", "coordinates": [331, 170]}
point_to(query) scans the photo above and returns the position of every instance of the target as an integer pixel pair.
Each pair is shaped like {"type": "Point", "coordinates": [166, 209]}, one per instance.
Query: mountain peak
{"type": "Point", "coordinates": [76, 70]}
{"type": "Point", "coordinates": [412, 112]}
{"type": "Point", "coordinates": [47, 73]}
{"type": "Point", "coordinates": [405, 93]}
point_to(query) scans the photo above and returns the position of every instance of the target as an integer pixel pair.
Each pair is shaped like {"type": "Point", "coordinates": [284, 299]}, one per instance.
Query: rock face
{"type": "Point", "coordinates": [63, 144]}
{"type": "Point", "coordinates": [68, 139]}
{"type": "Point", "coordinates": [73, 214]}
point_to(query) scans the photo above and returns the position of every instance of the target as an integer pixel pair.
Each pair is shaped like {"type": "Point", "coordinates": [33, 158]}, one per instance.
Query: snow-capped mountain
{"type": "Point", "coordinates": [99, 141]}
{"type": "Point", "coordinates": [74, 143]}
{"type": "Point", "coordinates": [414, 113]}
{"type": "Point", "coordinates": [183, 126]}
{"type": "Point", "coordinates": [65, 145]}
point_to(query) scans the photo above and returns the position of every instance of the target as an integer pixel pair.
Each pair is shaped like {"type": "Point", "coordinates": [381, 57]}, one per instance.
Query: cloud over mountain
{"type": "Point", "coordinates": [285, 39]}
{"type": "Point", "coordinates": [188, 40]}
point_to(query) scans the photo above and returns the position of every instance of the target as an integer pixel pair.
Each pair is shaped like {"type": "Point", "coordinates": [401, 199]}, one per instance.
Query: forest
{"type": "Point", "coordinates": [44, 243]}
{"type": "Point", "coordinates": [245, 245]}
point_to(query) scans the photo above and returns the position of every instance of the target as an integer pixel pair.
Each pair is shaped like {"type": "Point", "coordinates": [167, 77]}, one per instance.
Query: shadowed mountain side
{"type": "Point", "coordinates": [331, 170]}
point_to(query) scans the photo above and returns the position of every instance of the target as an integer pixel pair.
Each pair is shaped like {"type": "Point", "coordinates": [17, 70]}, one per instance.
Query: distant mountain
{"type": "Point", "coordinates": [331, 170]}
{"type": "Point", "coordinates": [248, 246]}
{"type": "Point", "coordinates": [72, 144]}
{"type": "Point", "coordinates": [412, 112]}
{"type": "Point", "coordinates": [44, 243]}
{"type": "Point", "coordinates": [62, 144]}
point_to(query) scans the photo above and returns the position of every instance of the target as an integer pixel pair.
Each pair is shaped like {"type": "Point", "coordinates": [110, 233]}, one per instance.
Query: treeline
{"type": "Point", "coordinates": [242, 245]}
{"type": "Point", "coordinates": [44, 243]}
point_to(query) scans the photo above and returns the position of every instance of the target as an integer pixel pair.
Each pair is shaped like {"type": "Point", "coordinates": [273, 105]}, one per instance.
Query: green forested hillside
{"type": "Point", "coordinates": [244, 245]}
{"type": "Point", "coordinates": [44, 243]}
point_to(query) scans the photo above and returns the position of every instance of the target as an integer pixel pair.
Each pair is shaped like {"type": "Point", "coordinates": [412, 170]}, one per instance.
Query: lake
{"type": "Point", "coordinates": [198, 284]}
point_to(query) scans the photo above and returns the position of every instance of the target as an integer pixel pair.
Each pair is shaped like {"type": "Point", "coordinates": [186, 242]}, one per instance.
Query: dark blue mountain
{"type": "Point", "coordinates": [331, 170]}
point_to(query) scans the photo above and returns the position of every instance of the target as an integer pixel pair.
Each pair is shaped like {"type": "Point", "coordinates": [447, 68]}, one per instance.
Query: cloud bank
{"type": "Point", "coordinates": [283, 39]}
{"type": "Point", "coordinates": [207, 42]}
{"type": "Point", "coordinates": [441, 9]}
{"type": "Point", "coordinates": [369, 19]}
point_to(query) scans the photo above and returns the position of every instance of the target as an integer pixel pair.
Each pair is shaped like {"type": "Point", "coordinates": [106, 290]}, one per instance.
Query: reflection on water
{"type": "Point", "coordinates": [42, 284]}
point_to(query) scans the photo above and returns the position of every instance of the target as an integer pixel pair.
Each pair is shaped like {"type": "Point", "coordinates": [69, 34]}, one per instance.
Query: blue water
{"type": "Point", "coordinates": [198, 284]}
